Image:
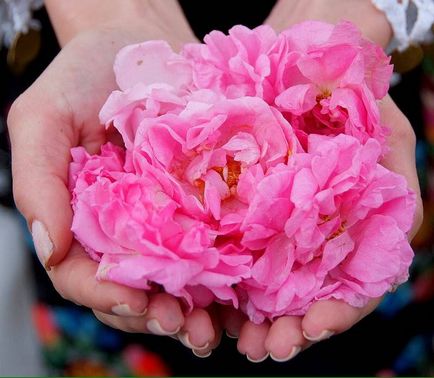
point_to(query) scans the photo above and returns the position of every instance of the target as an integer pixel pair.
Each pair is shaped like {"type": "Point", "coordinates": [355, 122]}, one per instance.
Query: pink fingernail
{"type": "Point", "coordinates": [125, 310]}
{"type": "Point", "coordinates": [204, 355]}
{"type": "Point", "coordinates": [231, 336]}
{"type": "Point", "coordinates": [322, 336]}
{"type": "Point", "coordinates": [154, 327]}
{"type": "Point", "coordinates": [184, 337]}
{"type": "Point", "coordinates": [294, 351]}
{"type": "Point", "coordinates": [43, 245]}
{"type": "Point", "coordinates": [257, 360]}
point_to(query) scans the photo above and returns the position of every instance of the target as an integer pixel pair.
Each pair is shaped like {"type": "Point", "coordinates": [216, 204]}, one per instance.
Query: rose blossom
{"type": "Point", "coordinates": [227, 191]}
{"type": "Point", "coordinates": [141, 236]}
{"type": "Point", "coordinates": [236, 65]}
{"type": "Point", "coordinates": [324, 78]}
{"type": "Point", "coordinates": [152, 80]}
{"type": "Point", "coordinates": [207, 148]}
{"type": "Point", "coordinates": [333, 85]}
{"type": "Point", "coordinates": [331, 223]}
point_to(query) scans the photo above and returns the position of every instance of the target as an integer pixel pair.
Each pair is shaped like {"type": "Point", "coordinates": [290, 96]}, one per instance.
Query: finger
{"type": "Point", "coordinates": [401, 157]}
{"type": "Point", "coordinates": [122, 323]}
{"type": "Point", "coordinates": [39, 166]}
{"type": "Point", "coordinates": [75, 279]}
{"type": "Point", "coordinates": [42, 130]}
{"type": "Point", "coordinates": [285, 338]}
{"type": "Point", "coordinates": [252, 341]}
{"type": "Point", "coordinates": [206, 352]}
{"type": "Point", "coordinates": [41, 139]}
{"type": "Point", "coordinates": [231, 320]}
{"type": "Point", "coordinates": [164, 315]}
{"type": "Point", "coordinates": [329, 317]}
{"type": "Point", "coordinates": [198, 331]}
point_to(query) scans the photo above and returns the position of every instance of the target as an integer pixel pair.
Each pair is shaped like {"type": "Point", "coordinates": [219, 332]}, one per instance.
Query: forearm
{"type": "Point", "coordinates": [363, 13]}
{"type": "Point", "coordinates": [70, 18]}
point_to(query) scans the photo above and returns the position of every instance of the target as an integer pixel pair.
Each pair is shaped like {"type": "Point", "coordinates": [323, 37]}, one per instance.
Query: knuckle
{"type": "Point", "coordinates": [100, 316]}
{"type": "Point", "coordinates": [64, 284]}
{"type": "Point", "coordinates": [17, 109]}
{"type": "Point", "coordinates": [23, 106]}
{"type": "Point", "coordinates": [20, 195]}
{"type": "Point", "coordinates": [418, 218]}
{"type": "Point", "coordinates": [59, 287]}
{"type": "Point", "coordinates": [404, 132]}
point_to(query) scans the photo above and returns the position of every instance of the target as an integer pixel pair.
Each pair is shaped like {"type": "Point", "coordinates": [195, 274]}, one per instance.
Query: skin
{"type": "Point", "coordinates": [335, 316]}
{"type": "Point", "coordinates": [44, 128]}
{"type": "Point", "coordinates": [289, 332]}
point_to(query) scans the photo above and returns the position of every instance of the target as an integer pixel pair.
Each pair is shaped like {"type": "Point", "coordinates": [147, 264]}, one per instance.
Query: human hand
{"type": "Point", "coordinates": [288, 335]}
{"type": "Point", "coordinates": [60, 111]}
{"type": "Point", "coordinates": [372, 22]}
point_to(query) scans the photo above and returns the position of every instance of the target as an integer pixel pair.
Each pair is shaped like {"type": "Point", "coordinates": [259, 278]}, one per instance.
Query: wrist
{"type": "Point", "coordinates": [372, 22]}
{"type": "Point", "coordinates": [142, 19]}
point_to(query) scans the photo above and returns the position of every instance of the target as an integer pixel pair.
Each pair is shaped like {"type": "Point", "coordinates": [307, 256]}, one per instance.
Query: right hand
{"type": "Point", "coordinates": [58, 112]}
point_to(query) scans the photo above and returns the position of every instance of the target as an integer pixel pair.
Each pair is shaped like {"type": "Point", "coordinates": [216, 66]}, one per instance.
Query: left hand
{"type": "Point", "coordinates": [288, 335]}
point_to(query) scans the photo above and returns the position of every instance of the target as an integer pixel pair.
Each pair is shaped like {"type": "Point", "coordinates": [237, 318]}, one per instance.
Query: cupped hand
{"type": "Point", "coordinates": [58, 112]}
{"type": "Point", "coordinates": [372, 22]}
{"type": "Point", "coordinates": [284, 338]}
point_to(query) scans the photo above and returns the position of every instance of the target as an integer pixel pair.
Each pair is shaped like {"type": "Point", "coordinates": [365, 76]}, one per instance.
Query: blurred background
{"type": "Point", "coordinates": [41, 334]}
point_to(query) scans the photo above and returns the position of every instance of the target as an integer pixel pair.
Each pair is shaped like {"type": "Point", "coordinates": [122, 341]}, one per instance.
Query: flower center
{"type": "Point", "coordinates": [338, 232]}
{"type": "Point", "coordinates": [325, 93]}
{"type": "Point", "coordinates": [324, 218]}
{"type": "Point", "coordinates": [230, 173]}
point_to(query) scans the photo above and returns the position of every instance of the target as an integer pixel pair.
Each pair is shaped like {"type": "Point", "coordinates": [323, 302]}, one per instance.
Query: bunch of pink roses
{"type": "Point", "coordinates": [249, 173]}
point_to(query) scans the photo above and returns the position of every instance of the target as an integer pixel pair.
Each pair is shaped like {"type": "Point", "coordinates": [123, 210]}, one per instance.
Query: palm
{"type": "Point", "coordinates": [58, 112]}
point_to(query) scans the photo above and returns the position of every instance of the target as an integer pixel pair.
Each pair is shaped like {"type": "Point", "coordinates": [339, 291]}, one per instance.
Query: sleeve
{"type": "Point", "coordinates": [16, 18]}
{"type": "Point", "coordinates": [411, 21]}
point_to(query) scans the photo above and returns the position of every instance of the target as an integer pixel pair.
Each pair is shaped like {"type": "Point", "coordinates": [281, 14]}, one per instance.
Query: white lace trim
{"type": "Point", "coordinates": [16, 17]}
{"type": "Point", "coordinates": [411, 21]}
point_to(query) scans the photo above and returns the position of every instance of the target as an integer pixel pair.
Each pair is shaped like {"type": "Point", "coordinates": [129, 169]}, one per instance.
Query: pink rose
{"type": "Point", "coordinates": [324, 78]}
{"type": "Point", "coordinates": [141, 236]}
{"type": "Point", "coordinates": [331, 223]}
{"type": "Point", "coordinates": [207, 148]}
{"type": "Point", "coordinates": [152, 81]}
{"type": "Point", "coordinates": [249, 172]}
{"type": "Point", "coordinates": [333, 85]}
{"type": "Point", "coordinates": [236, 65]}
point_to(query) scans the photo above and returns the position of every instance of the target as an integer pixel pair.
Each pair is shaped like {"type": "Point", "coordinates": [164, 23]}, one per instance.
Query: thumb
{"type": "Point", "coordinates": [40, 144]}
{"type": "Point", "coordinates": [401, 157]}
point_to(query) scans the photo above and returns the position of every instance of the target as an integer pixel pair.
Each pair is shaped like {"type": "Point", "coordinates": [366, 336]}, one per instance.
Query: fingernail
{"type": "Point", "coordinates": [258, 360]}
{"type": "Point", "coordinates": [154, 327]}
{"type": "Point", "coordinates": [43, 245]}
{"type": "Point", "coordinates": [125, 310]}
{"type": "Point", "coordinates": [197, 353]}
{"type": "Point", "coordinates": [322, 336]}
{"type": "Point", "coordinates": [184, 338]}
{"type": "Point", "coordinates": [231, 336]}
{"type": "Point", "coordinates": [294, 351]}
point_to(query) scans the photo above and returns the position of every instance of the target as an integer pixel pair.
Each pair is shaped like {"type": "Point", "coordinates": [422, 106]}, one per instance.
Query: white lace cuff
{"type": "Point", "coordinates": [411, 21]}
{"type": "Point", "coordinates": [16, 17]}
